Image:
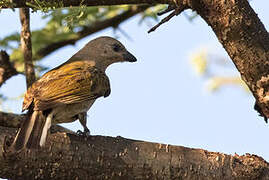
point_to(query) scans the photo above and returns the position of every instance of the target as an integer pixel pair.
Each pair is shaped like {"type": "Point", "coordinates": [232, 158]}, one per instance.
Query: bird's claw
{"type": "Point", "coordinates": [85, 133]}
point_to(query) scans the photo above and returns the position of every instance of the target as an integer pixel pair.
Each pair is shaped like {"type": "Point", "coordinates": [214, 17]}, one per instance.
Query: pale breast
{"type": "Point", "coordinates": [66, 112]}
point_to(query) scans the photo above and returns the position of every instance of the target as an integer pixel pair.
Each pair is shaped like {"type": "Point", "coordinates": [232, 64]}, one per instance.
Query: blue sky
{"type": "Point", "coordinates": [160, 98]}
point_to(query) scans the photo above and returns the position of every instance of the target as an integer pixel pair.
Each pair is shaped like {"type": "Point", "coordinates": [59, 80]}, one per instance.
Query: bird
{"type": "Point", "coordinates": [65, 93]}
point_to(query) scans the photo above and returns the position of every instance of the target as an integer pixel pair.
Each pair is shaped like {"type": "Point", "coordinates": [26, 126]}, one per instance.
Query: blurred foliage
{"type": "Point", "coordinates": [199, 62]}
{"type": "Point", "coordinates": [64, 24]}
{"type": "Point", "coordinates": [215, 83]}
{"type": "Point", "coordinates": [45, 6]}
{"type": "Point", "coordinates": [6, 3]}
{"type": "Point", "coordinates": [152, 12]}
{"type": "Point", "coordinates": [209, 67]}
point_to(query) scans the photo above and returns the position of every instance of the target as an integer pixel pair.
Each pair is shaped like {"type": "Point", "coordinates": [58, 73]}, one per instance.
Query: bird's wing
{"type": "Point", "coordinates": [71, 83]}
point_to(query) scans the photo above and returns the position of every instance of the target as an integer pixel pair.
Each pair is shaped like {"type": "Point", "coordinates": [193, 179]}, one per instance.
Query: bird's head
{"type": "Point", "coordinates": [105, 51]}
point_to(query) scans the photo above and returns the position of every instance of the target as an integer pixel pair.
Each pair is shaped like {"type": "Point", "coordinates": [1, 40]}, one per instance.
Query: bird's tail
{"type": "Point", "coordinates": [33, 131]}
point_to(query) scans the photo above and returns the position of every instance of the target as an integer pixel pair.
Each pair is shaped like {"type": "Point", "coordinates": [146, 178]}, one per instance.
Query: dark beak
{"type": "Point", "coordinates": [129, 57]}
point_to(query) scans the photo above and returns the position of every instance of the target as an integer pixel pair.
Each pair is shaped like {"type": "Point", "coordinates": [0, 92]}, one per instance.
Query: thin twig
{"type": "Point", "coordinates": [176, 12]}
{"type": "Point", "coordinates": [26, 46]}
{"type": "Point", "coordinates": [164, 20]}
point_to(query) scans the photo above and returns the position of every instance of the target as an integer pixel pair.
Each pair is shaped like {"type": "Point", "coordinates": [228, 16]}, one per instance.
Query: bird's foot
{"type": "Point", "coordinates": [85, 133]}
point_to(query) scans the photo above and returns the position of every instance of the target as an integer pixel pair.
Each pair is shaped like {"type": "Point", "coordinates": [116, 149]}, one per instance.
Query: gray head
{"type": "Point", "coordinates": [105, 51]}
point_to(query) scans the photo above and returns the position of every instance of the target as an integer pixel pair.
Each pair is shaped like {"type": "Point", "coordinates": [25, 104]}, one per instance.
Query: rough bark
{"type": "Point", "coordinates": [26, 46]}
{"type": "Point", "coordinates": [11, 120]}
{"type": "Point", "coordinates": [69, 156]}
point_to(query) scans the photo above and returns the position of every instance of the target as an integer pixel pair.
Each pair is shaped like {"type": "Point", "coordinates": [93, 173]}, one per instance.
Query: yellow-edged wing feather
{"type": "Point", "coordinates": [68, 84]}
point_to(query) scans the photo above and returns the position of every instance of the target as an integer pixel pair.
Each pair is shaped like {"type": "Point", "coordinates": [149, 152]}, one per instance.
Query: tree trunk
{"type": "Point", "coordinates": [26, 46]}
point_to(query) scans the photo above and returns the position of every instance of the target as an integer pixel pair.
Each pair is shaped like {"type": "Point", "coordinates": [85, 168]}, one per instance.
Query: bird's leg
{"type": "Point", "coordinates": [82, 117]}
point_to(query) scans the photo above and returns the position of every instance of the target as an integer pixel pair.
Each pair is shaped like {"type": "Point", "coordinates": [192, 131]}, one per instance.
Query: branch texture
{"type": "Point", "coordinates": [11, 120]}
{"type": "Point", "coordinates": [100, 157]}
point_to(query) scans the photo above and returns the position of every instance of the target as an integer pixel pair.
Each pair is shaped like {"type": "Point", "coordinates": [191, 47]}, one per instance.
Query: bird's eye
{"type": "Point", "coordinates": [116, 47]}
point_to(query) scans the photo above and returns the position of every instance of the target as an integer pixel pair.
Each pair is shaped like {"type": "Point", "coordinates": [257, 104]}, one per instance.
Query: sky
{"type": "Point", "coordinates": [160, 98]}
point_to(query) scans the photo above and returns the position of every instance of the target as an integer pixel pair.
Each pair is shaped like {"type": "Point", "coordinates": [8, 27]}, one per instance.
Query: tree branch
{"type": "Point", "coordinates": [95, 27]}
{"type": "Point", "coordinates": [7, 70]}
{"type": "Point", "coordinates": [100, 157]}
{"type": "Point", "coordinates": [11, 120]}
{"type": "Point", "coordinates": [26, 46]}
{"type": "Point", "coordinates": [69, 3]}
{"type": "Point", "coordinates": [177, 11]}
